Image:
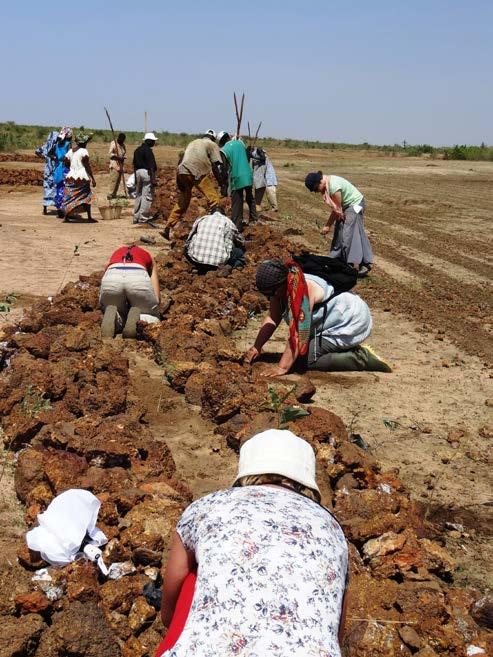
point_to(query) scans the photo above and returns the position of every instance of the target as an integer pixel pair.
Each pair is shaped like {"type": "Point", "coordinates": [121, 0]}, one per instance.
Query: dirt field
{"type": "Point", "coordinates": [430, 295]}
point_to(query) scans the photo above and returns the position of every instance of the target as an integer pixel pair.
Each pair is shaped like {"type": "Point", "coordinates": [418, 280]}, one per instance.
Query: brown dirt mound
{"type": "Point", "coordinates": [66, 398]}
{"type": "Point", "coordinates": [17, 177]}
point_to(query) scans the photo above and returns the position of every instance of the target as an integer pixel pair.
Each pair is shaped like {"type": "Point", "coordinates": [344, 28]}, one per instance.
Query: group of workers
{"type": "Point", "coordinates": [262, 567]}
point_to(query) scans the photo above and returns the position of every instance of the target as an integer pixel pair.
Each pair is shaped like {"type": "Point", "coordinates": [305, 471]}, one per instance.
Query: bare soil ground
{"type": "Point", "coordinates": [430, 294]}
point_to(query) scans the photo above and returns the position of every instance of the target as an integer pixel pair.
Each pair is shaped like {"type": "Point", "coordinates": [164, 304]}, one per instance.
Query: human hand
{"type": "Point", "coordinates": [93, 182]}
{"type": "Point", "coordinates": [251, 355]}
{"type": "Point", "coordinates": [324, 230]}
{"type": "Point", "coordinates": [273, 372]}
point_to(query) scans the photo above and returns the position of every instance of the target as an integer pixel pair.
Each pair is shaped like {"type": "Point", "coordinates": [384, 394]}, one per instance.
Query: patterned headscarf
{"type": "Point", "coordinates": [65, 133]}
{"type": "Point", "coordinates": [81, 139]}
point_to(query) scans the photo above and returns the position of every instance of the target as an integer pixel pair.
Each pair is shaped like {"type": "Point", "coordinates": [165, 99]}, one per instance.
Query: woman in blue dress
{"type": "Point", "coordinates": [47, 151]}
{"type": "Point", "coordinates": [61, 149]}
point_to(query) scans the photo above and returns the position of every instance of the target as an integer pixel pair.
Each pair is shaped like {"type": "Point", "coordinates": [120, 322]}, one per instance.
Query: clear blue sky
{"type": "Point", "coordinates": [379, 71]}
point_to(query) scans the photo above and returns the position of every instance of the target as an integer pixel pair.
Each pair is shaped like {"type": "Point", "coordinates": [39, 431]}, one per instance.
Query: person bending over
{"type": "Point", "coordinates": [214, 241]}
{"type": "Point", "coordinates": [326, 331]}
{"type": "Point", "coordinates": [271, 562]}
{"type": "Point", "coordinates": [350, 241]}
{"type": "Point", "coordinates": [129, 291]}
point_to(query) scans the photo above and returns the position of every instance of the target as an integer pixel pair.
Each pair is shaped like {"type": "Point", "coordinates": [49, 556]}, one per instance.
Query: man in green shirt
{"type": "Point", "coordinates": [240, 178]}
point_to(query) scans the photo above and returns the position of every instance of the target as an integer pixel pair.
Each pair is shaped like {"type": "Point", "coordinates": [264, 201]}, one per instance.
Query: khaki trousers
{"type": "Point", "coordinates": [125, 287]}
{"type": "Point", "coordinates": [115, 179]}
{"type": "Point", "coordinates": [185, 183]}
{"type": "Point", "coordinates": [271, 196]}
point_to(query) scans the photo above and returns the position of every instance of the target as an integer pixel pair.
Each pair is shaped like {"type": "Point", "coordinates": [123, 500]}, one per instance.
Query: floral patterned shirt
{"type": "Point", "coordinates": [271, 575]}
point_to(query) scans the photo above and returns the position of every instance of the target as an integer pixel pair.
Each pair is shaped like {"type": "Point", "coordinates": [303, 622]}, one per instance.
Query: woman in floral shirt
{"type": "Point", "coordinates": [271, 561]}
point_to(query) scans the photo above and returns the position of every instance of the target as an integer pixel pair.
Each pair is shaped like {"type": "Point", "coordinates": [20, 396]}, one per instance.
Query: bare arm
{"type": "Point", "coordinates": [181, 562]}
{"type": "Point", "coordinates": [288, 358]}
{"type": "Point", "coordinates": [155, 281]}
{"type": "Point", "coordinates": [269, 325]}
{"type": "Point", "coordinates": [87, 167]}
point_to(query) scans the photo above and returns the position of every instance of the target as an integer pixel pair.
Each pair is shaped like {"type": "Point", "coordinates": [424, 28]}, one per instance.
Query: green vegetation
{"type": "Point", "coordinates": [34, 402]}
{"type": "Point", "coordinates": [14, 137]}
{"type": "Point", "coordinates": [275, 402]}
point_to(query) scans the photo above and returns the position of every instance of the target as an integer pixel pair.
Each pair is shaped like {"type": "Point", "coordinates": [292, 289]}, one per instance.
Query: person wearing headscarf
{"type": "Point", "coordinates": [264, 178]}
{"type": "Point", "coordinates": [79, 177]}
{"type": "Point", "coordinates": [61, 149]}
{"type": "Point", "coordinates": [47, 151]}
{"type": "Point", "coordinates": [270, 563]}
{"type": "Point", "coordinates": [326, 330]}
{"type": "Point", "coordinates": [350, 241]}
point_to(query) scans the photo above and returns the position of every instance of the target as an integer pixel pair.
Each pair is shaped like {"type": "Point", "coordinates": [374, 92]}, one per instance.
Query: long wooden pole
{"type": "Point", "coordinates": [122, 176]}
{"type": "Point", "coordinates": [145, 122]}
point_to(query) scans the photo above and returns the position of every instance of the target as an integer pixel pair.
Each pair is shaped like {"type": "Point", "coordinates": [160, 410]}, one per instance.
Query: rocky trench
{"type": "Point", "coordinates": [70, 416]}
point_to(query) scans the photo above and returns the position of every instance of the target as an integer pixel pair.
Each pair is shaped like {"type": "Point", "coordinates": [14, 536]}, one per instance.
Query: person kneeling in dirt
{"type": "Point", "coordinates": [129, 291]}
{"type": "Point", "coordinates": [213, 242]}
{"type": "Point", "coordinates": [326, 331]}
{"type": "Point", "coordinates": [273, 562]}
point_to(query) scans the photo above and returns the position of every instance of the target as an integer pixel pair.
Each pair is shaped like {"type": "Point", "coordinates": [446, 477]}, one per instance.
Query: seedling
{"type": "Point", "coordinates": [285, 414]}
{"type": "Point", "coordinates": [7, 303]}
{"type": "Point", "coordinates": [34, 402]}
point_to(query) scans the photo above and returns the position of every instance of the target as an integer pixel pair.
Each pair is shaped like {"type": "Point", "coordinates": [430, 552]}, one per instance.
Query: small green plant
{"type": "Point", "coordinates": [34, 402]}
{"type": "Point", "coordinates": [7, 303]}
{"type": "Point", "coordinates": [119, 202]}
{"type": "Point", "coordinates": [285, 413]}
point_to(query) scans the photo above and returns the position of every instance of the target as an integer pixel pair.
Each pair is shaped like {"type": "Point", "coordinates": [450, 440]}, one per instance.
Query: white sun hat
{"type": "Point", "coordinates": [150, 135]}
{"type": "Point", "coordinates": [280, 452]}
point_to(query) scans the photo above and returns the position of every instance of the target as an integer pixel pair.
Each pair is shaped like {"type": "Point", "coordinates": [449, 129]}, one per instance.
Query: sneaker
{"type": "Point", "coordinates": [108, 325]}
{"type": "Point", "coordinates": [364, 270]}
{"type": "Point", "coordinates": [130, 328]}
{"type": "Point", "coordinates": [374, 362]}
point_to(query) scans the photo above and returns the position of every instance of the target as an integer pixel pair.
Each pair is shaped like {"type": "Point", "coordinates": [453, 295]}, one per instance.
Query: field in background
{"type": "Point", "coordinates": [14, 137]}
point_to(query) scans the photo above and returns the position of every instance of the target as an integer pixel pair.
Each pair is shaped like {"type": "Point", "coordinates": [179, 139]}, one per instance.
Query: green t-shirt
{"type": "Point", "coordinates": [349, 194]}
{"type": "Point", "coordinates": [240, 174]}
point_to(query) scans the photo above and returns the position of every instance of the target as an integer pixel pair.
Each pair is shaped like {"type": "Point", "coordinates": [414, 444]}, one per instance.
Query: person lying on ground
{"type": "Point", "coordinates": [271, 561]}
{"type": "Point", "coordinates": [77, 193]}
{"type": "Point", "coordinates": [129, 291]}
{"type": "Point", "coordinates": [350, 241]}
{"type": "Point", "coordinates": [240, 178]}
{"type": "Point", "coordinates": [194, 170]}
{"type": "Point", "coordinates": [117, 153]}
{"type": "Point", "coordinates": [145, 170]}
{"type": "Point", "coordinates": [214, 241]}
{"type": "Point", "coordinates": [264, 178]}
{"type": "Point", "coordinates": [326, 331]}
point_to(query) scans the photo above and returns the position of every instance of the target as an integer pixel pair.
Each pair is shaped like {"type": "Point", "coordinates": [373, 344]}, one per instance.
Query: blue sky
{"type": "Point", "coordinates": [359, 71]}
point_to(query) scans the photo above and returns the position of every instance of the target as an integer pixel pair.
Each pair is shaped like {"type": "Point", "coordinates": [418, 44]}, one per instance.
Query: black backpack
{"type": "Point", "coordinates": [336, 272]}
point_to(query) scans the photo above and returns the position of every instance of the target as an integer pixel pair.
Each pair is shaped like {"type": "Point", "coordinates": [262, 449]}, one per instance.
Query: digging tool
{"type": "Point", "coordinates": [122, 176]}
{"type": "Point", "coordinates": [239, 114]}
{"type": "Point", "coordinates": [256, 135]}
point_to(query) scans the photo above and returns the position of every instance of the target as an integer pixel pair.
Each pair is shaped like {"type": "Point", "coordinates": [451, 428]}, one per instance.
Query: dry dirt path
{"type": "Point", "coordinates": [41, 253]}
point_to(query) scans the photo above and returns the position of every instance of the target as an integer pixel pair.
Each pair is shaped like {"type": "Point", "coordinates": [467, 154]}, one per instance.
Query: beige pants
{"type": "Point", "coordinates": [271, 196]}
{"type": "Point", "coordinates": [125, 287]}
{"type": "Point", "coordinates": [114, 184]}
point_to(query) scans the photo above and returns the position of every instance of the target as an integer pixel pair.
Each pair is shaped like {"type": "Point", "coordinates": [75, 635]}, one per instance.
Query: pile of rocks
{"type": "Point", "coordinates": [65, 403]}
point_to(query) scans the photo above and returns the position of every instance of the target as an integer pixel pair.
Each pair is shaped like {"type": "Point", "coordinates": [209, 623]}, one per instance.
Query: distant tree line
{"type": "Point", "coordinates": [15, 137]}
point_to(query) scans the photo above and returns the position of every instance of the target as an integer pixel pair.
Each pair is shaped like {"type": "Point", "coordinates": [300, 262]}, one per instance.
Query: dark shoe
{"type": "Point", "coordinates": [130, 328]}
{"type": "Point", "coordinates": [45, 209]}
{"type": "Point", "coordinates": [166, 233]}
{"type": "Point", "coordinates": [60, 214]}
{"type": "Point", "coordinates": [108, 325]}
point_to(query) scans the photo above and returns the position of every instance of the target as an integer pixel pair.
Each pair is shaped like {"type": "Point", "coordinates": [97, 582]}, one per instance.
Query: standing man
{"type": "Point", "coordinates": [194, 170]}
{"type": "Point", "coordinates": [117, 155]}
{"type": "Point", "coordinates": [240, 178]}
{"type": "Point", "coordinates": [145, 170]}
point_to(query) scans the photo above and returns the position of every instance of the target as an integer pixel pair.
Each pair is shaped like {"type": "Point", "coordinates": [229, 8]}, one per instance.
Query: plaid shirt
{"type": "Point", "coordinates": [212, 238]}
